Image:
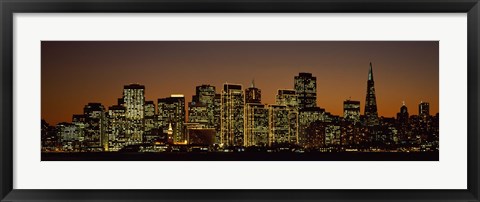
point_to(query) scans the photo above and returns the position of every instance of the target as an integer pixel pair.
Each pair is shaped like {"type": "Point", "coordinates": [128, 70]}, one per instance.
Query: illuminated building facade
{"type": "Point", "coordinates": [96, 138]}
{"type": "Point", "coordinates": [171, 110]}
{"type": "Point", "coordinates": [150, 122]}
{"type": "Point", "coordinates": [288, 98]}
{"type": "Point", "coordinates": [70, 137]}
{"type": "Point", "coordinates": [256, 124]}
{"type": "Point", "coordinates": [279, 124]}
{"type": "Point", "coordinates": [306, 88]}
{"type": "Point", "coordinates": [232, 119]}
{"type": "Point", "coordinates": [117, 137]}
{"type": "Point", "coordinates": [198, 113]}
{"type": "Point", "coordinates": [306, 117]}
{"type": "Point", "coordinates": [133, 101]}
{"type": "Point", "coordinates": [253, 94]}
{"type": "Point", "coordinates": [351, 110]}
{"type": "Point", "coordinates": [371, 114]}
{"type": "Point", "coordinates": [424, 109]}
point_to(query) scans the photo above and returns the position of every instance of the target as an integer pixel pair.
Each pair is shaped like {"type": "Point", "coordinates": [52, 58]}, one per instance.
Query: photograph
{"type": "Point", "coordinates": [240, 101]}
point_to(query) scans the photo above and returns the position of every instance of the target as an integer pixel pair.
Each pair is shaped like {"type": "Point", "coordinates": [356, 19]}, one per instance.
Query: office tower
{"type": "Point", "coordinates": [306, 88]}
{"type": "Point", "coordinates": [217, 108]}
{"type": "Point", "coordinates": [371, 114]}
{"type": "Point", "coordinates": [70, 137]}
{"type": "Point", "coordinates": [171, 110]}
{"type": "Point", "coordinates": [256, 124]}
{"type": "Point", "coordinates": [117, 123]}
{"type": "Point", "coordinates": [253, 94]}
{"type": "Point", "coordinates": [198, 113]}
{"type": "Point", "coordinates": [424, 109]}
{"type": "Point", "coordinates": [205, 95]}
{"type": "Point", "coordinates": [232, 110]}
{"type": "Point", "coordinates": [351, 110]}
{"type": "Point", "coordinates": [306, 117]}
{"type": "Point", "coordinates": [332, 134]}
{"type": "Point", "coordinates": [402, 116]}
{"type": "Point", "coordinates": [150, 122]}
{"type": "Point", "coordinates": [425, 122]}
{"type": "Point", "coordinates": [289, 98]}
{"type": "Point", "coordinates": [279, 130]}
{"type": "Point", "coordinates": [133, 101]}
{"type": "Point", "coordinates": [95, 137]}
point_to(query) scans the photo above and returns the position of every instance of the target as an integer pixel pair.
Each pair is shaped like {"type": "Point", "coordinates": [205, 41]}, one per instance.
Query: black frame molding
{"type": "Point", "coordinates": [9, 7]}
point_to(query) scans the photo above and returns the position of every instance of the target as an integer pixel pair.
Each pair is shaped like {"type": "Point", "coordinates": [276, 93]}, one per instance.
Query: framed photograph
{"type": "Point", "coordinates": [239, 101]}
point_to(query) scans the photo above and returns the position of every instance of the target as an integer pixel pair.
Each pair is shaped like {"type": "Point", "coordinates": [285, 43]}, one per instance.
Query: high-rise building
{"type": "Point", "coordinates": [305, 118]}
{"type": "Point", "coordinates": [133, 101]}
{"type": "Point", "coordinates": [171, 110]}
{"type": "Point", "coordinates": [288, 98]}
{"type": "Point", "coordinates": [202, 108]}
{"type": "Point", "coordinates": [279, 124]}
{"type": "Point", "coordinates": [371, 114]}
{"type": "Point", "coordinates": [232, 120]}
{"type": "Point", "coordinates": [402, 116]}
{"type": "Point", "coordinates": [256, 124]}
{"type": "Point", "coordinates": [306, 89]}
{"type": "Point", "coordinates": [424, 109]}
{"type": "Point", "coordinates": [150, 122]}
{"type": "Point", "coordinates": [198, 113]}
{"type": "Point", "coordinates": [402, 125]}
{"type": "Point", "coordinates": [96, 138]}
{"type": "Point", "coordinates": [253, 94]}
{"type": "Point", "coordinates": [116, 129]}
{"type": "Point", "coordinates": [205, 95]}
{"type": "Point", "coordinates": [217, 108]}
{"type": "Point", "coordinates": [70, 137]}
{"type": "Point", "coordinates": [351, 110]}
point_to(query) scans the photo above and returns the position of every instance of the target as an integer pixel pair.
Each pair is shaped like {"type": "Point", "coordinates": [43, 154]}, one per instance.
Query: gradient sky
{"type": "Point", "coordinates": [77, 72]}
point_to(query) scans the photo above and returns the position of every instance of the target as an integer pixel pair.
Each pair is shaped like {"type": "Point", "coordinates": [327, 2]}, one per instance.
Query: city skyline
{"type": "Point", "coordinates": [422, 83]}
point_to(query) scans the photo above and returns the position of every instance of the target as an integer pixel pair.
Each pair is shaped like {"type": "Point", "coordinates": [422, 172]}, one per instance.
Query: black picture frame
{"type": "Point", "coordinates": [10, 7]}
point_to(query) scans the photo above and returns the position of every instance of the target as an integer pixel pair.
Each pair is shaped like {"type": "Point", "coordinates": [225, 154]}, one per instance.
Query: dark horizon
{"type": "Point", "coordinates": [404, 71]}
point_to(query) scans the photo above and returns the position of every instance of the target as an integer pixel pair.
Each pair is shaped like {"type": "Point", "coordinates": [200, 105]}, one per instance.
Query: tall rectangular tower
{"type": "Point", "coordinates": [133, 101]}
{"type": "Point", "coordinates": [232, 120]}
{"type": "Point", "coordinates": [306, 88]}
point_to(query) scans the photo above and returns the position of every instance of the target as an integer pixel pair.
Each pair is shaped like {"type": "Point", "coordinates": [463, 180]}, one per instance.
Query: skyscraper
{"type": "Point", "coordinates": [203, 106]}
{"type": "Point", "coordinates": [95, 137]}
{"type": "Point", "coordinates": [402, 125]}
{"type": "Point", "coordinates": [150, 122]}
{"type": "Point", "coordinates": [133, 101]}
{"type": "Point", "coordinates": [253, 94]}
{"type": "Point", "coordinates": [351, 110]}
{"type": "Point", "coordinates": [256, 124]}
{"type": "Point", "coordinates": [171, 111]}
{"type": "Point", "coordinates": [371, 114]}
{"type": "Point", "coordinates": [288, 98]}
{"type": "Point", "coordinates": [306, 88]}
{"type": "Point", "coordinates": [424, 109]}
{"type": "Point", "coordinates": [232, 120]}
{"type": "Point", "coordinates": [116, 127]}
{"type": "Point", "coordinates": [279, 124]}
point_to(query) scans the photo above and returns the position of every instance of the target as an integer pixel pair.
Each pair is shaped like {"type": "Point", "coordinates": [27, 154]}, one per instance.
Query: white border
{"type": "Point", "coordinates": [448, 173]}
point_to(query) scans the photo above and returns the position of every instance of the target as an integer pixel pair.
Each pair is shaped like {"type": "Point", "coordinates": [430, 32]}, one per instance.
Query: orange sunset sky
{"type": "Point", "coordinates": [75, 73]}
